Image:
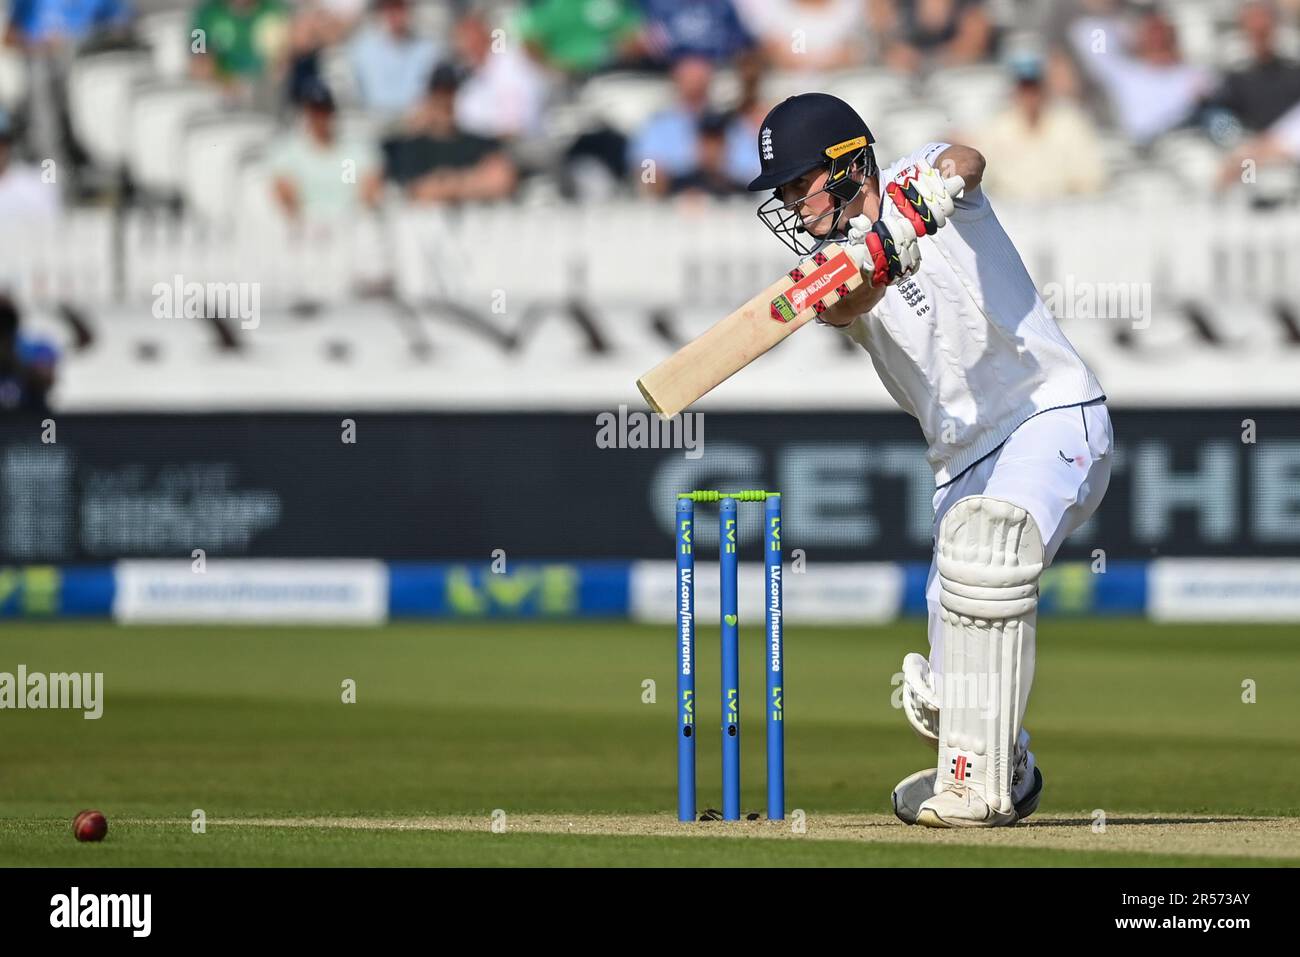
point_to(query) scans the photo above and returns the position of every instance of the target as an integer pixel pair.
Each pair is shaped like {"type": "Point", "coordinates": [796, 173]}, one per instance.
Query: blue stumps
{"type": "Point", "coordinates": [685, 660]}
{"type": "Point", "coordinates": [774, 660]}
{"type": "Point", "coordinates": [728, 537]}
{"type": "Point", "coordinates": [729, 613]}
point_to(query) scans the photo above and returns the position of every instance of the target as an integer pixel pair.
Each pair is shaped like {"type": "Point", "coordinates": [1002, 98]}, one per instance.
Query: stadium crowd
{"type": "Point", "coordinates": [464, 96]}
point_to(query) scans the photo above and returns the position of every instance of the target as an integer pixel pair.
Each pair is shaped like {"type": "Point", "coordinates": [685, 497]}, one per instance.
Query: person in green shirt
{"type": "Point", "coordinates": [240, 38]}
{"type": "Point", "coordinates": [581, 36]}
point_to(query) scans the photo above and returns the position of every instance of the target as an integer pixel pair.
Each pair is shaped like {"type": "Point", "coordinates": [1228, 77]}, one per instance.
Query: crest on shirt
{"type": "Point", "coordinates": [910, 292]}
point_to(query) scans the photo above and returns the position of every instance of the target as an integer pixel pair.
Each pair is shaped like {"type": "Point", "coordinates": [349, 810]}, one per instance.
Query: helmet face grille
{"type": "Point", "coordinates": [784, 221]}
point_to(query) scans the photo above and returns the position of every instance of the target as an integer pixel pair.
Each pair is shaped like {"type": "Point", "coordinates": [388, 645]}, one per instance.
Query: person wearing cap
{"type": "Point", "coordinates": [710, 175]}
{"type": "Point", "coordinates": [1018, 433]}
{"type": "Point", "coordinates": [1040, 146]}
{"type": "Point", "coordinates": [311, 166]}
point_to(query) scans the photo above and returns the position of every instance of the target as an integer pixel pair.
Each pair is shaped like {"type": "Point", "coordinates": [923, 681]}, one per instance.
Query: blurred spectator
{"type": "Point", "coordinates": [64, 23]}
{"type": "Point", "coordinates": [707, 28]}
{"type": "Point", "coordinates": [1039, 147]}
{"type": "Point", "coordinates": [1150, 88]}
{"type": "Point", "coordinates": [392, 65]}
{"type": "Point", "coordinates": [437, 162]}
{"type": "Point", "coordinates": [932, 33]}
{"type": "Point", "coordinates": [807, 34]}
{"type": "Point", "coordinates": [581, 36]}
{"type": "Point", "coordinates": [241, 39]}
{"type": "Point", "coordinates": [747, 117]}
{"type": "Point", "coordinates": [668, 138]}
{"type": "Point", "coordinates": [24, 196]}
{"type": "Point", "coordinates": [595, 165]}
{"type": "Point", "coordinates": [313, 28]}
{"type": "Point", "coordinates": [709, 176]}
{"type": "Point", "coordinates": [317, 174]}
{"type": "Point", "coordinates": [26, 366]}
{"type": "Point", "coordinates": [50, 32]}
{"type": "Point", "coordinates": [1279, 145]}
{"type": "Point", "coordinates": [503, 91]}
{"type": "Point", "coordinates": [1259, 94]}
{"type": "Point", "coordinates": [1066, 75]}
{"type": "Point", "coordinates": [1284, 135]}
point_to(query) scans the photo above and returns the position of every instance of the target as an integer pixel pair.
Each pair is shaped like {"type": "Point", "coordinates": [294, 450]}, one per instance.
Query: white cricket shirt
{"type": "Point", "coordinates": [966, 345]}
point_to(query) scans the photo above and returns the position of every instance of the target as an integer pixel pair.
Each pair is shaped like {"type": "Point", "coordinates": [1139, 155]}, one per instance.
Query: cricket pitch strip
{"type": "Point", "coordinates": [1213, 835]}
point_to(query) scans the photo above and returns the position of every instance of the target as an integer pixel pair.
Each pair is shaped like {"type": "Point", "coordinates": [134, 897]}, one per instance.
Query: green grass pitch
{"type": "Point", "coordinates": [1144, 723]}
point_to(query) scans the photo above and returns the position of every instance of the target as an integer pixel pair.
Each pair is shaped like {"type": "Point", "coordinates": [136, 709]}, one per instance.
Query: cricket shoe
{"type": "Point", "coordinates": [957, 805]}
{"type": "Point", "coordinates": [1026, 789]}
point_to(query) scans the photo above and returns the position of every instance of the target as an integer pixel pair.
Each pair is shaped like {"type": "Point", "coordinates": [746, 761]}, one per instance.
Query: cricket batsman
{"type": "Point", "coordinates": [1018, 433]}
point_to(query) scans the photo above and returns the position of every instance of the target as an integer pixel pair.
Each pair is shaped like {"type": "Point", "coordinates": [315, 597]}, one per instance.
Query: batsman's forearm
{"type": "Point", "coordinates": [963, 161]}
{"type": "Point", "coordinates": [856, 303]}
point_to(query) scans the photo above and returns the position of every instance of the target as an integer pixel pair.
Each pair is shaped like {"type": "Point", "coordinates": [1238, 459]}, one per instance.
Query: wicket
{"type": "Point", "coordinates": [773, 656]}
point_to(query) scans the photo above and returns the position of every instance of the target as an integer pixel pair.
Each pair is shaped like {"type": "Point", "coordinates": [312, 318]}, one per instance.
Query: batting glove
{"type": "Point", "coordinates": [890, 247]}
{"type": "Point", "coordinates": [924, 196]}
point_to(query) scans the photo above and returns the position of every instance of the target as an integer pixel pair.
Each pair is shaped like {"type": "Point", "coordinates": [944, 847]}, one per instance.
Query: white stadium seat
{"type": "Point", "coordinates": [1188, 154]}
{"type": "Point", "coordinates": [625, 100]}
{"type": "Point", "coordinates": [903, 130]}
{"type": "Point", "coordinates": [211, 152]}
{"type": "Point", "coordinates": [1117, 153]}
{"type": "Point", "coordinates": [433, 18]}
{"type": "Point", "coordinates": [1198, 36]}
{"type": "Point", "coordinates": [337, 72]}
{"type": "Point", "coordinates": [159, 112]}
{"type": "Point", "coordinates": [99, 102]}
{"type": "Point", "coordinates": [688, 266]}
{"type": "Point", "coordinates": [357, 125]}
{"type": "Point", "coordinates": [970, 94]}
{"type": "Point", "coordinates": [1154, 184]}
{"type": "Point", "coordinates": [779, 85]}
{"type": "Point", "coordinates": [167, 33]}
{"type": "Point", "coordinates": [13, 78]}
{"type": "Point", "coordinates": [870, 92]}
{"type": "Point", "coordinates": [253, 196]}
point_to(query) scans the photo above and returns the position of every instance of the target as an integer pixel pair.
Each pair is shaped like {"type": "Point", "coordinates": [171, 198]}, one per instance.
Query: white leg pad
{"type": "Point", "coordinates": [990, 557]}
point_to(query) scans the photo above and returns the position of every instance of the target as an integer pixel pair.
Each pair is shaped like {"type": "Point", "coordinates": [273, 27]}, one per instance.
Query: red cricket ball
{"type": "Point", "coordinates": [90, 826]}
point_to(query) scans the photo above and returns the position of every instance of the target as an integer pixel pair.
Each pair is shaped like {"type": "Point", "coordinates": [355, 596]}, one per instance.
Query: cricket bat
{"type": "Point", "coordinates": [728, 346]}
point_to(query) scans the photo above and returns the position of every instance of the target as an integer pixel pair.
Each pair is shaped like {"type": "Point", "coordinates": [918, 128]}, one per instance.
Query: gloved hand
{"type": "Point", "coordinates": [924, 196]}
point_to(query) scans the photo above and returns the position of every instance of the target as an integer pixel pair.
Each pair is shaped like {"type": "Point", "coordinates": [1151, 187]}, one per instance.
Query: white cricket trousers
{"type": "Point", "coordinates": [1055, 465]}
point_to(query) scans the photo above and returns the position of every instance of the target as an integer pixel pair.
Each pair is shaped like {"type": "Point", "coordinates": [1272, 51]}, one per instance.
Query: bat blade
{"type": "Point", "coordinates": [755, 328]}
